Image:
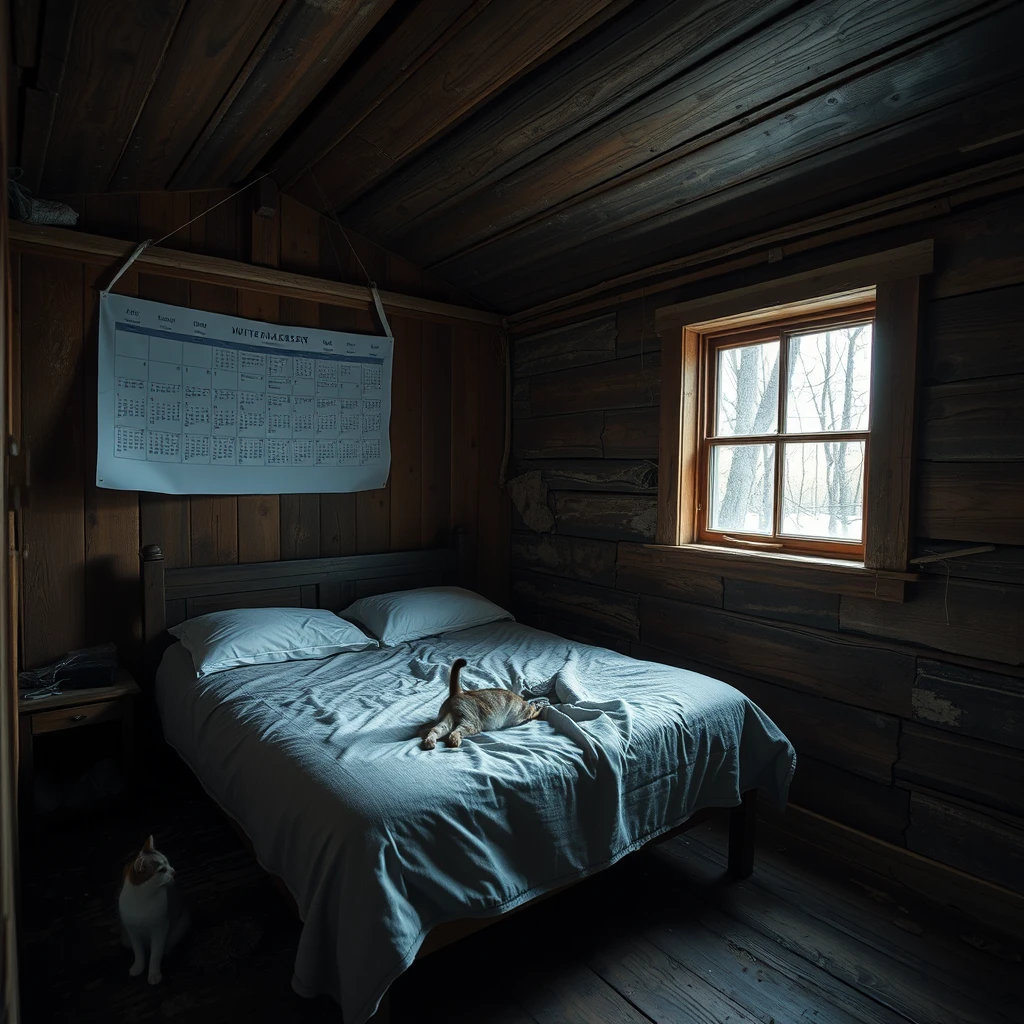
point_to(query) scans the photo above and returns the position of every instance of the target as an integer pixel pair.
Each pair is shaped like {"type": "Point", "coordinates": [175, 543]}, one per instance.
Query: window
{"type": "Point", "coordinates": [784, 425]}
{"type": "Point", "coordinates": [787, 417]}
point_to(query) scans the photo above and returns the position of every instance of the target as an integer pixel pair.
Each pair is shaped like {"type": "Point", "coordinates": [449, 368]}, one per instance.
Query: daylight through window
{"type": "Point", "coordinates": [786, 435]}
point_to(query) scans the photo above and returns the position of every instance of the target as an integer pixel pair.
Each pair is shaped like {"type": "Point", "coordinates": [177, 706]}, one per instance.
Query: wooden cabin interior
{"type": "Point", "coordinates": [624, 250]}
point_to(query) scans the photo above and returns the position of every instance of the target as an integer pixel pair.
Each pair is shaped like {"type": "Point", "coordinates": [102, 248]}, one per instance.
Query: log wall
{"type": "Point", "coordinates": [908, 718]}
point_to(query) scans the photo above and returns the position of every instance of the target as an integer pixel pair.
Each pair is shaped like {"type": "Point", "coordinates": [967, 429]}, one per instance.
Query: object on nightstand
{"type": "Point", "coordinates": [89, 668]}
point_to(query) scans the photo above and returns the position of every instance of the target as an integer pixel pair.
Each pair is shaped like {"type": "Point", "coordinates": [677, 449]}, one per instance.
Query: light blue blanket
{"type": "Point", "coordinates": [380, 841]}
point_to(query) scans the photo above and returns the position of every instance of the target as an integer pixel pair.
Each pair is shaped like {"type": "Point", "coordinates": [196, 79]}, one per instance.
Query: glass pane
{"type": "Point", "coordinates": [823, 490]}
{"type": "Point", "coordinates": [829, 380]}
{"type": "Point", "coordinates": [748, 390]}
{"type": "Point", "coordinates": [742, 488]}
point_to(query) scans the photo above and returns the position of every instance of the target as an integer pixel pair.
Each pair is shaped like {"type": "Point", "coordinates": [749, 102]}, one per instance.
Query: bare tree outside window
{"type": "Point", "coordinates": [791, 463]}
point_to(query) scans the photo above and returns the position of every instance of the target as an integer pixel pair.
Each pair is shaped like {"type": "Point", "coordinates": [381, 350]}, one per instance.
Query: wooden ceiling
{"type": "Point", "coordinates": [521, 150]}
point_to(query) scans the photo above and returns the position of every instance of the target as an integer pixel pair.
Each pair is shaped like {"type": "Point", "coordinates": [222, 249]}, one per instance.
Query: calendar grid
{"type": "Point", "coordinates": [206, 403]}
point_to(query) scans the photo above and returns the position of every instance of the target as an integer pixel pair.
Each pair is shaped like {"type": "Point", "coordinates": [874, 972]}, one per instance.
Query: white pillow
{"type": "Point", "coordinates": [430, 611]}
{"type": "Point", "coordinates": [262, 636]}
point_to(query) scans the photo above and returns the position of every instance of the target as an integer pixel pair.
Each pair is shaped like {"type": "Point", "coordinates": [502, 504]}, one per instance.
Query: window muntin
{"type": "Point", "coordinates": [801, 488]}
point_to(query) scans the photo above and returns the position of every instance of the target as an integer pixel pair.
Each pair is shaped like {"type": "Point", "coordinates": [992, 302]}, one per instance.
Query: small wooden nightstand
{"type": "Point", "coordinates": [69, 711]}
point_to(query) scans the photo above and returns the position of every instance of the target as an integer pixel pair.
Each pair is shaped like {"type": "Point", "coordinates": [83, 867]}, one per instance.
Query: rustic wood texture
{"type": "Point", "coordinates": [109, 73]}
{"type": "Point", "coordinates": [976, 420]}
{"type": "Point", "coordinates": [860, 741]}
{"type": "Point", "coordinates": [605, 516]}
{"type": "Point", "coordinates": [786, 944]}
{"type": "Point", "coordinates": [53, 546]}
{"type": "Point", "coordinates": [590, 341]}
{"type": "Point", "coordinates": [111, 517]}
{"type": "Point", "coordinates": [166, 262]}
{"type": "Point", "coordinates": [865, 674]}
{"type": "Point", "coordinates": [629, 383]}
{"type": "Point", "coordinates": [443, 132]}
{"type": "Point", "coordinates": [868, 806]}
{"type": "Point", "coordinates": [219, 36]}
{"type": "Point", "coordinates": [607, 611]}
{"type": "Point", "coordinates": [633, 476]}
{"type": "Point", "coordinates": [630, 434]}
{"type": "Point", "coordinates": [964, 835]}
{"type": "Point", "coordinates": [303, 48]}
{"type": "Point", "coordinates": [990, 775]}
{"type": "Point", "coordinates": [592, 561]}
{"type": "Point", "coordinates": [496, 45]}
{"type": "Point", "coordinates": [566, 436]}
{"type": "Point", "coordinates": [975, 501]}
{"type": "Point", "coordinates": [974, 335]}
{"type": "Point", "coordinates": [982, 704]}
{"type": "Point", "coordinates": [934, 659]}
{"type": "Point", "coordinates": [726, 143]}
{"type": "Point", "coordinates": [646, 570]}
{"type": "Point", "coordinates": [83, 541]}
{"type": "Point", "coordinates": [966, 617]}
{"type": "Point", "coordinates": [893, 387]}
{"type": "Point", "coordinates": [784, 604]}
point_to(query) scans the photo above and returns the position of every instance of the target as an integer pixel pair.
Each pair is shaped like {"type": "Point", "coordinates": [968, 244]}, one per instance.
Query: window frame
{"type": "Point", "coordinates": [773, 328]}
{"type": "Point", "coordinates": [892, 279]}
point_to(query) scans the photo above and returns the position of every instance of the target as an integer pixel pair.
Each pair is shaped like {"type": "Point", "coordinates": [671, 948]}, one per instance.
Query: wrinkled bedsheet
{"type": "Point", "coordinates": [380, 841]}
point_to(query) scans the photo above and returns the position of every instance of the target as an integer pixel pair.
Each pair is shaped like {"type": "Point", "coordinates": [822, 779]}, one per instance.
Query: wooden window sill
{"type": "Point", "coordinates": [828, 575]}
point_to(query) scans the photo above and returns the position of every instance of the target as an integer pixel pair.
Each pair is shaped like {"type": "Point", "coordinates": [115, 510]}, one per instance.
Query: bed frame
{"type": "Point", "coordinates": [172, 595]}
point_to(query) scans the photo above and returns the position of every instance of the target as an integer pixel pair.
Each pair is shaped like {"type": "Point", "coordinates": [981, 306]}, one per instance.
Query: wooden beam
{"type": "Point", "coordinates": [919, 202]}
{"type": "Point", "coordinates": [620, 197]}
{"type": "Point", "coordinates": [417, 38]}
{"type": "Point", "coordinates": [56, 242]}
{"type": "Point", "coordinates": [214, 37]}
{"type": "Point", "coordinates": [103, 89]}
{"type": "Point", "coordinates": [892, 265]}
{"type": "Point", "coordinates": [625, 60]}
{"type": "Point", "coordinates": [502, 42]}
{"type": "Point", "coordinates": [302, 49]}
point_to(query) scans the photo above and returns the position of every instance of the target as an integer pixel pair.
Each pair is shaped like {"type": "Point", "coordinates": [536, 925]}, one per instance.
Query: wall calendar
{"type": "Point", "coordinates": [192, 402]}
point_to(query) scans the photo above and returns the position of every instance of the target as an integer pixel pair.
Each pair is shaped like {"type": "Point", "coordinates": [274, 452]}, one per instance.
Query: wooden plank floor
{"type": "Point", "coordinates": [662, 937]}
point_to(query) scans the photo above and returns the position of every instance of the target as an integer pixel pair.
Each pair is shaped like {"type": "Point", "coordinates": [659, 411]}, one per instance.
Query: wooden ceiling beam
{"type": "Point", "coordinates": [212, 42]}
{"type": "Point", "coordinates": [42, 82]}
{"type": "Point", "coordinates": [213, 270]}
{"type": "Point", "coordinates": [940, 142]}
{"type": "Point", "coordinates": [417, 39]}
{"type": "Point", "coordinates": [503, 41]}
{"type": "Point", "coordinates": [796, 90]}
{"type": "Point", "coordinates": [920, 202]}
{"type": "Point", "coordinates": [300, 52]}
{"type": "Point", "coordinates": [852, 117]}
{"type": "Point", "coordinates": [113, 61]}
{"type": "Point", "coordinates": [611, 69]}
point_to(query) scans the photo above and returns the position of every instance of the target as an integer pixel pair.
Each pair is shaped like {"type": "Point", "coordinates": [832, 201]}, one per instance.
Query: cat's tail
{"type": "Point", "coordinates": [454, 689]}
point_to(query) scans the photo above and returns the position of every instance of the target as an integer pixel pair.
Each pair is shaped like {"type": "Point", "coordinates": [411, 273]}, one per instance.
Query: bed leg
{"type": "Point", "coordinates": [741, 836]}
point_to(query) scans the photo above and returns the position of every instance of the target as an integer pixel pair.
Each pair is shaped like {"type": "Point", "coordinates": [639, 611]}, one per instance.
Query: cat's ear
{"type": "Point", "coordinates": [139, 864]}
{"type": "Point", "coordinates": [147, 846]}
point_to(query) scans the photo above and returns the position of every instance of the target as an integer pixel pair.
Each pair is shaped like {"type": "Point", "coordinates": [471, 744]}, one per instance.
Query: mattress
{"type": "Point", "coordinates": [380, 841]}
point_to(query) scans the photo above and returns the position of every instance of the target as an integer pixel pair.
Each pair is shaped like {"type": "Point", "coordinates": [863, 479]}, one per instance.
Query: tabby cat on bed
{"type": "Point", "coordinates": [466, 712]}
{"type": "Point", "coordinates": [151, 914]}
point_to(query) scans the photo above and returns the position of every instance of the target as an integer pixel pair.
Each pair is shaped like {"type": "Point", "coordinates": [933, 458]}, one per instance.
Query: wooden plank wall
{"type": "Point", "coordinates": [908, 719]}
{"type": "Point", "coordinates": [81, 542]}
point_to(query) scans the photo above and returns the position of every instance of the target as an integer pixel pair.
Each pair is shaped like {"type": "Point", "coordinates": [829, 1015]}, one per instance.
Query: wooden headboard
{"type": "Point", "coordinates": [170, 596]}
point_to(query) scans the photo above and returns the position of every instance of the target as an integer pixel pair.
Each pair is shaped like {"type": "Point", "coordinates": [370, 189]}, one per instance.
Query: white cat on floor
{"type": "Point", "coordinates": [151, 915]}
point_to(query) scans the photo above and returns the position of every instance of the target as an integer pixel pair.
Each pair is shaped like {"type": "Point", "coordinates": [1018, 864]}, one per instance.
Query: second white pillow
{"type": "Point", "coordinates": [408, 615]}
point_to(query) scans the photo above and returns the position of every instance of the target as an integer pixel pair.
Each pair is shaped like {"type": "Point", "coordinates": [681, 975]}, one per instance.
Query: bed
{"type": "Point", "coordinates": [389, 851]}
